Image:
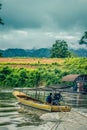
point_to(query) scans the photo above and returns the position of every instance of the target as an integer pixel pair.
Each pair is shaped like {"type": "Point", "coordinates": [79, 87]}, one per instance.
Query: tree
{"type": "Point", "coordinates": [0, 54]}
{"type": "Point", "coordinates": [1, 22]}
{"type": "Point", "coordinates": [22, 77]}
{"type": "Point", "coordinates": [60, 49]}
{"type": "Point", "coordinates": [83, 39]}
{"type": "Point", "coordinates": [6, 70]}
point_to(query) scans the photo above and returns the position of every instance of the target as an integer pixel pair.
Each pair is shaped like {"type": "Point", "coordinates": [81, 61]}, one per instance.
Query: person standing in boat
{"type": "Point", "coordinates": [49, 99]}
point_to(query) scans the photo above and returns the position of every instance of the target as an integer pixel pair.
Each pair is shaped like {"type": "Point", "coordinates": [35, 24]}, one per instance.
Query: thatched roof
{"type": "Point", "coordinates": [70, 77]}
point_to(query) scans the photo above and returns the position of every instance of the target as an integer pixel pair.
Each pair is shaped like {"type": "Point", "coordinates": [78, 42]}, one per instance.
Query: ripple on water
{"type": "Point", "coordinates": [12, 119]}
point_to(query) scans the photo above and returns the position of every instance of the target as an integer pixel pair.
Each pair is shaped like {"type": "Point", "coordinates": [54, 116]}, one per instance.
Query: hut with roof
{"type": "Point", "coordinates": [79, 82]}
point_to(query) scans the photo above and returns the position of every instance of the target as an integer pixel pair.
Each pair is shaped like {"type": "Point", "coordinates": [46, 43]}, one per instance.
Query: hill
{"type": "Point", "coordinates": [80, 52]}
{"type": "Point", "coordinates": [42, 52]}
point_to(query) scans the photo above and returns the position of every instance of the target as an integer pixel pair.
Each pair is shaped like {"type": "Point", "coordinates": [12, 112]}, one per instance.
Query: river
{"type": "Point", "coordinates": [13, 117]}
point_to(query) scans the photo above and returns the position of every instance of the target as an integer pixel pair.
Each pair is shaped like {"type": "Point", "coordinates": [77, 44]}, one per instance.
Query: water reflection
{"type": "Point", "coordinates": [81, 100]}
{"type": "Point", "coordinates": [11, 113]}
{"type": "Point", "coordinates": [15, 118]}
{"type": "Point", "coordinates": [75, 99]}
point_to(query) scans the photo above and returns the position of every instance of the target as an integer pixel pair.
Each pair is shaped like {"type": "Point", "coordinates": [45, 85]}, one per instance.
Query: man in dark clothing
{"type": "Point", "coordinates": [49, 98]}
{"type": "Point", "coordinates": [57, 98]}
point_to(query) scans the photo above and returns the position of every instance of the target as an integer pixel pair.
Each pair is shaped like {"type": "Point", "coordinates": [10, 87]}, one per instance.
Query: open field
{"type": "Point", "coordinates": [31, 60]}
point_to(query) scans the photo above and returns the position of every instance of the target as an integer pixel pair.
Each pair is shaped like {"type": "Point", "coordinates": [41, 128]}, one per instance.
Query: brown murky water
{"type": "Point", "coordinates": [13, 118]}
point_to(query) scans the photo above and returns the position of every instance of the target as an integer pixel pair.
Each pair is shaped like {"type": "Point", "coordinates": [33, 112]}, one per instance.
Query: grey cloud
{"type": "Point", "coordinates": [20, 14]}
{"type": "Point", "coordinates": [71, 14]}
{"type": "Point", "coordinates": [24, 39]}
{"type": "Point", "coordinates": [30, 38]}
{"type": "Point", "coordinates": [38, 13]}
{"type": "Point", "coordinates": [38, 23]}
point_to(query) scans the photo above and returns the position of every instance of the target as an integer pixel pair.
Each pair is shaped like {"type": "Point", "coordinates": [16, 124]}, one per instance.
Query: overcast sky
{"type": "Point", "coordinates": [38, 23]}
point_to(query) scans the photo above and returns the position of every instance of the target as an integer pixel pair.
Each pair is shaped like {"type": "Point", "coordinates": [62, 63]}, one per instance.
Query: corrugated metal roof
{"type": "Point", "coordinates": [70, 77]}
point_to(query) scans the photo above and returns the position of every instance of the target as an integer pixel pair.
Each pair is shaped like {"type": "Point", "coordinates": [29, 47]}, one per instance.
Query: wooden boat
{"type": "Point", "coordinates": [34, 103]}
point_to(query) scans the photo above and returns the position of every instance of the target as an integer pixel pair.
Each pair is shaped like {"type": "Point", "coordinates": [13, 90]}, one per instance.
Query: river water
{"type": "Point", "coordinates": [13, 117]}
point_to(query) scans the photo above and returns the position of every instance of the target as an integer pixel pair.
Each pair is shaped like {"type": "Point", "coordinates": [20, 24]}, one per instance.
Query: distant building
{"type": "Point", "coordinates": [79, 82]}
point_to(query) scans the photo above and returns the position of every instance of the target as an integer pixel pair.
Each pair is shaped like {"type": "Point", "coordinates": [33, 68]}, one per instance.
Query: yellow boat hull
{"type": "Point", "coordinates": [38, 105]}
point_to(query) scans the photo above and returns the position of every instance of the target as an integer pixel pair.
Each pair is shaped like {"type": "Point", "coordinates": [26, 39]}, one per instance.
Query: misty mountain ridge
{"type": "Point", "coordinates": [18, 52]}
{"type": "Point", "coordinates": [42, 52]}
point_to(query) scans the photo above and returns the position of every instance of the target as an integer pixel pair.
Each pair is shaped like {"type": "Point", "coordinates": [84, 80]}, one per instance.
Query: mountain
{"type": "Point", "coordinates": [80, 52]}
{"type": "Point", "coordinates": [42, 52]}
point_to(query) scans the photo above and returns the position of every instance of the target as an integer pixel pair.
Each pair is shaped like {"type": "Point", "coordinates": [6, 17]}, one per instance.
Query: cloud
{"type": "Point", "coordinates": [28, 39]}
{"type": "Point", "coordinates": [37, 14]}
{"type": "Point", "coordinates": [38, 23]}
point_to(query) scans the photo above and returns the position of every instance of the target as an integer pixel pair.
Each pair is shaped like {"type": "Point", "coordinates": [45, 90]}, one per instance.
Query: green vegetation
{"type": "Point", "coordinates": [0, 54]}
{"type": "Point", "coordinates": [38, 53]}
{"type": "Point", "coordinates": [41, 74]}
{"type": "Point", "coordinates": [83, 39]}
{"type": "Point", "coordinates": [60, 49]}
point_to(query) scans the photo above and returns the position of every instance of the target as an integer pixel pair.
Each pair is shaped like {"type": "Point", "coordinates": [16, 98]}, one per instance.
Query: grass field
{"type": "Point", "coordinates": [64, 64]}
{"type": "Point", "coordinates": [29, 62]}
